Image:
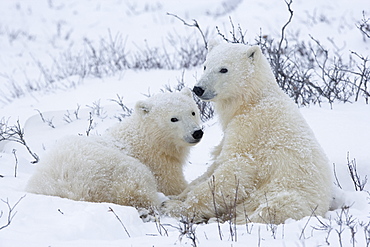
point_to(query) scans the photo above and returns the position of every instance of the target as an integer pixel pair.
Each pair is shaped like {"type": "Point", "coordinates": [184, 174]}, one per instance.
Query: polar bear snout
{"type": "Point", "coordinates": [198, 91]}
{"type": "Point", "coordinates": [195, 137]}
{"type": "Point", "coordinates": [204, 93]}
{"type": "Point", "coordinates": [198, 134]}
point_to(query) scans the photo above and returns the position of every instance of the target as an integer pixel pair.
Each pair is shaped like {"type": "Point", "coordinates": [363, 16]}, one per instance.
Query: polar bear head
{"type": "Point", "coordinates": [232, 71]}
{"type": "Point", "coordinates": [171, 118]}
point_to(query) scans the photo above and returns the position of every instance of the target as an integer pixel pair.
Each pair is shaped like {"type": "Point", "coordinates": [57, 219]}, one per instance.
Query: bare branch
{"type": "Point", "coordinates": [364, 26]}
{"type": "Point", "coordinates": [336, 177]}
{"type": "Point", "coordinates": [16, 134]}
{"type": "Point", "coordinates": [11, 212]}
{"type": "Point", "coordinates": [237, 37]}
{"type": "Point", "coordinates": [195, 24]}
{"type": "Point", "coordinates": [16, 162]}
{"type": "Point", "coordinates": [309, 218]}
{"type": "Point", "coordinates": [67, 116]}
{"type": "Point", "coordinates": [187, 228]}
{"type": "Point", "coordinates": [212, 186]}
{"type": "Point", "coordinates": [126, 111]}
{"type": "Point", "coordinates": [91, 120]}
{"type": "Point", "coordinates": [352, 168]}
{"type": "Point", "coordinates": [120, 221]}
{"type": "Point", "coordinates": [49, 122]}
{"type": "Point", "coordinates": [286, 24]}
{"type": "Point", "coordinates": [97, 109]}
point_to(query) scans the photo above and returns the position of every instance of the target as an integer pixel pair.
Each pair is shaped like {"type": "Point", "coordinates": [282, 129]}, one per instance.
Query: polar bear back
{"type": "Point", "coordinates": [89, 169]}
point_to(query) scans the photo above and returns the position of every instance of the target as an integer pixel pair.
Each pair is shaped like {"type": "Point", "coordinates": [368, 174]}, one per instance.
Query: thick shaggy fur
{"type": "Point", "coordinates": [130, 163]}
{"type": "Point", "coordinates": [269, 166]}
{"type": "Point", "coordinates": [92, 169]}
{"type": "Point", "coordinates": [163, 145]}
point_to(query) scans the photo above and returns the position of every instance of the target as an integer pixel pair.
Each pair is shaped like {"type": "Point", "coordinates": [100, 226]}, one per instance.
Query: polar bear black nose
{"type": "Point", "coordinates": [198, 91]}
{"type": "Point", "coordinates": [198, 134]}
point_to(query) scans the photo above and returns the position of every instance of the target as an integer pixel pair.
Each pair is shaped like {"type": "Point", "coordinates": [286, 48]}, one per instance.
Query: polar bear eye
{"type": "Point", "coordinates": [174, 119]}
{"type": "Point", "coordinates": [204, 68]}
{"type": "Point", "coordinates": [223, 70]}
{"type": "Point", "coordinates": [193, 113]}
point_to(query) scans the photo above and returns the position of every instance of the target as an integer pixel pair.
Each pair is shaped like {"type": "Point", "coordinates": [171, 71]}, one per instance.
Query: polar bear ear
{"type": "Point", "coordinates": [212, 44]}
{"type": "Point", "coordinates": [254, 53]}
{"type": "Point", "coordinates": [186, 91]}
{"type": "Point", "coordinates": [143, 107]}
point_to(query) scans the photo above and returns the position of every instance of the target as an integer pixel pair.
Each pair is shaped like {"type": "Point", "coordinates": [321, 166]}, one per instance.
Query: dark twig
{"type": "Point", "coordinates": [336, 177]}
{"type": "Point", "coordinates": [286, 24]}
{"type": "Point", "coordinates": [16, 162]}
{"type": "Point", "coordinates": [212, 186]}
{"type": "Point", "coordinates": [67, 117]}
{"type": "Point", "coordinates": [120, 221]}
{"type": "Point", "coordinates": [126, 111]}
{"type": "Point", "coordinates": [363, 75]}
{"type": "Point", "coordinates": [309, 218]}
{"type": "Point", "coordinates": [97, 109]}
{"type": "Point", "coordinates": [16, 134]}
{"type": "Point", "coordinates": [236, 37]}
{"type": "Point", "coordinates": [271, 219]}
{"type": "Point", "coordinates": [11, 212]}
{"type": "Point", "coordinates": [352, 168]}
{"type": "Point", "coordinates": [90, 124]}
{"type": "Point", "coordinates": [364, 26]}
{"type": "Point", "coordinates": [49, 122]}
{"type": "Point", "coordinates": [195, 24]}
{"type": "Point", "coordinates": [187, 228]}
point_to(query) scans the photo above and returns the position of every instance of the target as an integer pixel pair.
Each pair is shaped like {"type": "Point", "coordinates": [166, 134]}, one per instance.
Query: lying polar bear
{"type": "Point", "coordinates": [133, 161]}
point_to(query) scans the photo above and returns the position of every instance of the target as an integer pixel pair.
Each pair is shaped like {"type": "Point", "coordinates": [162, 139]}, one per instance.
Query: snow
{"type": "Point", "coordinates": [33, 31]}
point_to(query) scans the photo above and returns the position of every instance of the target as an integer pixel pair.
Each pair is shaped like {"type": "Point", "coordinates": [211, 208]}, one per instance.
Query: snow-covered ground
{"type": "Point", "coordinates": [34, 32]}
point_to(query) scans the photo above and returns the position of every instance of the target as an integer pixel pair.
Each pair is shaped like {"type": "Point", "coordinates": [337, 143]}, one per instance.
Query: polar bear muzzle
{"type": "Point", "coordinates": [196, 136]}
{"type": "Point", "coordinates": [204, 93]}
{"type": "Point", "coordinates": [198, 91]}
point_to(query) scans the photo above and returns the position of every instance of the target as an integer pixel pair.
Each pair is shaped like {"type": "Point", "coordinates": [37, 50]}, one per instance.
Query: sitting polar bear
{"type": "Point", "coordinates": [269, 166]}
{"type": "Point", "coordinates": [131, 162]}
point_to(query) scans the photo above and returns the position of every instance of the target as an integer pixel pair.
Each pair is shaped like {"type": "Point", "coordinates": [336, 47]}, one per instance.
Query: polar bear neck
{"type": "Point", "coordinates": [265, 87]}
{"type": "Point", "coordinates": [163, 157]}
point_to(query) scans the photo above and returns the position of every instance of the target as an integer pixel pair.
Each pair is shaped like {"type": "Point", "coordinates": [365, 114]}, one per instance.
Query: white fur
{"type": "Point", "coordinates": [269, 166]}
{"type": "Point", "coordinates": [131, 162]}
{"type": "Point", "coordinates": [154, 140]}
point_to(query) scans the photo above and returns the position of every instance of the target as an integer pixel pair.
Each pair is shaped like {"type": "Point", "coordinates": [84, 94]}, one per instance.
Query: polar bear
{"type": "Point", "coordinates": [129, 164]}
{"type": "Point", "coordinates": [269, 166]}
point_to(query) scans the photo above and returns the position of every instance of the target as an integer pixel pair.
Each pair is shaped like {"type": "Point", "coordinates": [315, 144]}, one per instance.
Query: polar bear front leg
{"type": "Point", "coordinates": [172, 208]}
{"type": "Point", "coordinates": [214, 196]}
{"type": "Point", "coordinates": [201, 179]}
{"type": "Point", "coordinates": [197, 205]}
{"type": "Point", "coordinates": [204, 201]}
{"type": "Point", "coordinates": [179, 210]}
